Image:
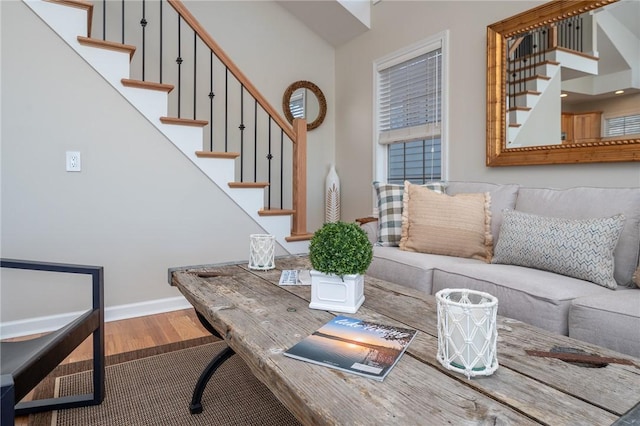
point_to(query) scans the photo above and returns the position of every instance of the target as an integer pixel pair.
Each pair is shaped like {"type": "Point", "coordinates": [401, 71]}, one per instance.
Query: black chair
{"type": "Point", "coordinates": [25, 363]}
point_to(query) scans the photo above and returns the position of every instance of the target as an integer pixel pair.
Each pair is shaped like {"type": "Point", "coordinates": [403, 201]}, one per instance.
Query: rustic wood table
{"type": "Point", "coordinates": [259, 320]}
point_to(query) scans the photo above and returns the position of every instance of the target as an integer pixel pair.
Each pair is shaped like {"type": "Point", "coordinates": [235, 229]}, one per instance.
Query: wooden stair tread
{"type": "Point", "coordinates": [276, 212]}
{"type": "Point", "coordinates": [184, 121]}
{"type": "Point", "coordinates": [527, 92]}
{"type": "Point", "coordinates": [519, 108]}
{"type": "Point", "coordinates": [248, 184]}
{"type": "Point", "coordinates": [299, 237]}
{"type": "Point", "coordinates": [514, 125]}
{"type": "Point", "coordinates": [575, 52]}
{"type": "Point", "coordinates": [147, 85]}
{"type": "Point", "coordinates": [211, 154]}
{"type": "Point", "coordinates": [533, 77]}
{"type": "Point", "coordinates": [532, 65]}
{"type": "Point", "coordinates": [110, 45]}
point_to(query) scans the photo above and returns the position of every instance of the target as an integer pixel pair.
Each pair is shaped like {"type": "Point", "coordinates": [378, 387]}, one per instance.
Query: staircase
{"type": "Point", "coordinates": [537, 61]}
{"type": "Point", "coordinates": [274, 201]}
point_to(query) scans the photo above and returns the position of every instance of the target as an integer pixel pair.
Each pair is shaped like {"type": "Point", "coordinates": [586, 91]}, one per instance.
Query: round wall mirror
{"type": "Point", "coordinates": [303, 99]}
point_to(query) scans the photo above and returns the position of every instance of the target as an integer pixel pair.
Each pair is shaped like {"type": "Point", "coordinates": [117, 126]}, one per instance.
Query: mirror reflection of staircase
{"type": "Point", "coordinates": [584, 57]}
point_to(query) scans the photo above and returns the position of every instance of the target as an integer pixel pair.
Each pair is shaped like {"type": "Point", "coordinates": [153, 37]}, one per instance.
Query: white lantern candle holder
{"type": "Point", "coordinates": [467, 331]}
{"type": "Point", "coordinates": [262, 251]}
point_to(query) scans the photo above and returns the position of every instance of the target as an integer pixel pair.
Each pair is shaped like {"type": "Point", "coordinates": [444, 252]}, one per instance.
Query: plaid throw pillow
{"type": "Point", "coordinates": [389, 197]}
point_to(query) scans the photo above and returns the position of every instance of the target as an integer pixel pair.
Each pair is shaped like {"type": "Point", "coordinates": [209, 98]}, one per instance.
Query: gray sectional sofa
{"type": "Point", "coordinates": [559, 303]}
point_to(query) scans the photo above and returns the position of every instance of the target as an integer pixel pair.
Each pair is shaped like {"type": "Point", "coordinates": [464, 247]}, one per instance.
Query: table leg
{"type": "Point", "coordinates": [205, 376]}
{"type": "Point", "coordinates": [217, 361]}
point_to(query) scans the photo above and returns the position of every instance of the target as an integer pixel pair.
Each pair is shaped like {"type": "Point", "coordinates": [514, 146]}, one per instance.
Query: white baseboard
{"type": "Point", "coordinates": [10, 329]}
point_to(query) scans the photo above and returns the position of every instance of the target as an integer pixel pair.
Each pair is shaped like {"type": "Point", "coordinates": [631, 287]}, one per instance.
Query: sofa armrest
{"type": "Point", "coordinates": [370, 226]}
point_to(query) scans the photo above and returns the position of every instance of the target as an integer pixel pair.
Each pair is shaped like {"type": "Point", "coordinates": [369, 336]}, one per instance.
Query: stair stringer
{"type": "Point", "coordinates": [113, 66]}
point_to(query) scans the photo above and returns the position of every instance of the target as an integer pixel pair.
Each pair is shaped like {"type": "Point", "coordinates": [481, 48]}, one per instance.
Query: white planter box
{"type": "Point", "coordinates": [332, 293]}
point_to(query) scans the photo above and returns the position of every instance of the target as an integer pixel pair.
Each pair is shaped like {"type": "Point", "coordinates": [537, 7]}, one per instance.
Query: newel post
{"type": "Point", "coordinates": [299, 197]}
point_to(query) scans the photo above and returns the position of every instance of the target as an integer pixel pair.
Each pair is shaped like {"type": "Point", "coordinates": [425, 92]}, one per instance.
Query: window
{"type": "Point", "coordinates": [297, 103]}
{"type": "Point", "coordinates": [620, 126]}
{"type": "Point", "coordinates": [409, 109]}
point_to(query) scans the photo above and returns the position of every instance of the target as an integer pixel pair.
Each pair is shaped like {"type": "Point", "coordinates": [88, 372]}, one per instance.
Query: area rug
{"type": "Point", "coordinates": [156, 389]}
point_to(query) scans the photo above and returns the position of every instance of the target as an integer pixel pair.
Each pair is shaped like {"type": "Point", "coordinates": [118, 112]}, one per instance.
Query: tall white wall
{"type": "Point", "coordinates": [396, 24]}
{"type": "Point", "coordinates": [138, 207]}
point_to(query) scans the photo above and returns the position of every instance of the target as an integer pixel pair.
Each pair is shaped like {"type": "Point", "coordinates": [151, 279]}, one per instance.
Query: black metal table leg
{"type": "Point", "coordinates": [217, 361]}
{"type": "Point", "coordinates": [205, 376]}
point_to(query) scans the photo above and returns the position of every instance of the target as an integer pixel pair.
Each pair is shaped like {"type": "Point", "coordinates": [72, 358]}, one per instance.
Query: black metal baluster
{"type": "Point", "coordinates": [269, 158]}
{"type": "Point", "coordinates": [195, 67]}
{"type": "Point", "coordinates": [241, 127]}
{"type": "Point", "coordinates": [122, 21]}
{"type": "Point", "coordinates": [179, 62]}
{"type": "Point", "coordinates": [255, 140]}
{"type": "Point", "coordinates": [160, 42]}
{"type": "Point", "coordinates": [143, 23]}
{"type": "Point", "coordinates": [211, 96]}
{"type": "Point", "coordinates": [579, 34]}
{"type": "Point", "coordinates": [226, 109]}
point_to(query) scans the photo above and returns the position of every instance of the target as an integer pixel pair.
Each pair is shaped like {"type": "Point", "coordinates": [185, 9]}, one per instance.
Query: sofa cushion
{"type": "Point", "coordinates": [611, 320]}
{"type": "Point", "coordinates": [503, 196]}
{"type": "Point", "coordinates": [539, 298]}
{"type": "Point", "coordinates": [580, 248]}
{"type": "Point", "coordinates": [414, 270]}
{"type": "Point", "coordinates": [389, 202]}
{"type": "Point", "coordinates": [458, 225]}
{"type": "Point", "coordinates": [583, 203]}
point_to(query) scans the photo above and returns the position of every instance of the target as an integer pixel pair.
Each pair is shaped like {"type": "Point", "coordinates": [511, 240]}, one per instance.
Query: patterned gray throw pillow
{"type": "Point", "coordinates": [579, 248]}
{"type": "Point", "coordinates": [389, 197]}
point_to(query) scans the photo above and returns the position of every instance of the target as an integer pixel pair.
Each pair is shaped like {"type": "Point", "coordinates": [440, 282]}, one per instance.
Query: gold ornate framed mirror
{"type": "Point", "coordinates": [502, 39]}
{"type": "Point", "coordinates": [303, 99]}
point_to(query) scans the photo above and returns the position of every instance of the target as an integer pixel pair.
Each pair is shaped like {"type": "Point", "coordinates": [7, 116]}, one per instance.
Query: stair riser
{"type": "Point", "coordinates": [154, 103]}
{"type": "Point", "coordinates": [518, 116]}
{"type": "Point", "coordinates": [69, 24]}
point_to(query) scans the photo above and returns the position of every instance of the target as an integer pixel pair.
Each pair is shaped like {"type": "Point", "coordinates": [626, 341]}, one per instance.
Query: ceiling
{"type": "Point", "coordinates": [330, 19]}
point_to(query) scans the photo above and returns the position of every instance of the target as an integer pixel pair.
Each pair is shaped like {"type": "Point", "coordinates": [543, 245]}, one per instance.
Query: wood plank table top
{"type": "Point", "coordinates": [259, 320]}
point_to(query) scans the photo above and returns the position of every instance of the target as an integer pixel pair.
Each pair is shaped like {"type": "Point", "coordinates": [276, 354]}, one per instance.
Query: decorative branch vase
{"type": "Point", "coordinates": [332, 196]}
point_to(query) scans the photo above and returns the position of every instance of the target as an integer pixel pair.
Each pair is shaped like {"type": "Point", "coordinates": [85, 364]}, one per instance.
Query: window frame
{"type": "Point", "coordinates": [437, 41]}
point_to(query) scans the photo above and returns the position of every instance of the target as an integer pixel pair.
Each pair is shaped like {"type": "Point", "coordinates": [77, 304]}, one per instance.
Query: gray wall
{"type": "Point", "coordinates": [396, 24]}
{"type": "Point", "coordinates": [139, 206]}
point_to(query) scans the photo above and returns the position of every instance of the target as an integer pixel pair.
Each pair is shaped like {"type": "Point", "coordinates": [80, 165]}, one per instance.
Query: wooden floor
{"type": "Point", "coordinates": [140, 333]}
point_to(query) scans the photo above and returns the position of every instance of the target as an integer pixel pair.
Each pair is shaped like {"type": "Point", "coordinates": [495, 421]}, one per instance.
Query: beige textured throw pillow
{"type": "Point", "coordinates": [636, 277]}
{"type": "Point", "coordinates": [458, 225]}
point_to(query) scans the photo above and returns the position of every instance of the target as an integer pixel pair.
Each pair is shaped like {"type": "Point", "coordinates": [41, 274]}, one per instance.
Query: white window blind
{"type": "Point", "coordinates": [625, 125]}
{"type": "Point", "coordinates": [410, 99]}
{"type": "Point", "coordinates": [297, 103]}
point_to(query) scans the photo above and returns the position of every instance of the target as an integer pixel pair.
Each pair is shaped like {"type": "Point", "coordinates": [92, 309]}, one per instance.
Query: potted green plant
{"type": "Point", "coordinates": [340, 253]}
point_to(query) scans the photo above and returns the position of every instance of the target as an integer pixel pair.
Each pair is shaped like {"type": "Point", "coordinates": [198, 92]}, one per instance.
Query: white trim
{"type": "Point", "coordinates": [25, 327]}
{"type": "Point", "coordinates": [420, 48]}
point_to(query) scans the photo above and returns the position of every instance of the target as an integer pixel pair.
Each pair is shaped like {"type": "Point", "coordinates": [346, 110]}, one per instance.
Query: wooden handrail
{"type": "Point", "coordinates": [224, 58]}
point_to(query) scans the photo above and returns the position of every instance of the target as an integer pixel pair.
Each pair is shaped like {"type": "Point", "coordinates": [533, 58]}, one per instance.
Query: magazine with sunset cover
{"type": "Point", "coordinates": [356, 346]}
